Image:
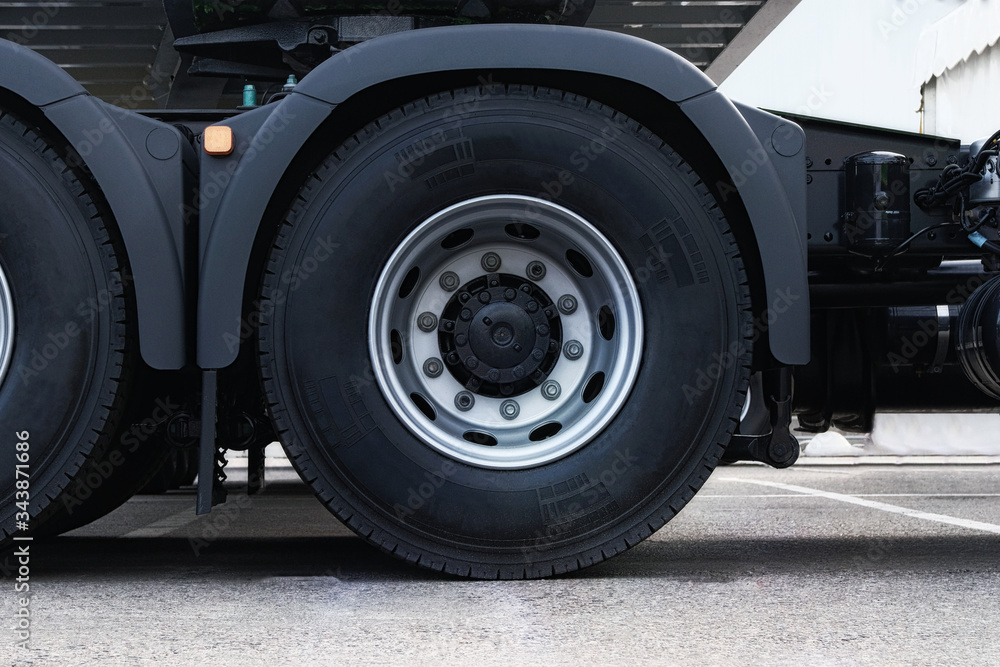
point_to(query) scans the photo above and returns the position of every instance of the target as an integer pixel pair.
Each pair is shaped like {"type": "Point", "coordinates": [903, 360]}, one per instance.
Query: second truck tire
{"type": "Point", "coordinates": [486, 323]}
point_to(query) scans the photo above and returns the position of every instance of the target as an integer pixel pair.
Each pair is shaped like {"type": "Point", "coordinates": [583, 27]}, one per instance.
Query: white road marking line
{"type": "Point", "coordinates": [856, 495]}
{"type": "Point", "coordinates": [927, 495]}
{"type": "Point", "coordinates": [874, 504]}
{"type": "Point", "coordinates": [164, 526]}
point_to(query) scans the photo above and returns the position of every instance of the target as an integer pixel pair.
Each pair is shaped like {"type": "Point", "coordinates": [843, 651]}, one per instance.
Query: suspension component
{"type": "Point", "coordinates": [979, 338]}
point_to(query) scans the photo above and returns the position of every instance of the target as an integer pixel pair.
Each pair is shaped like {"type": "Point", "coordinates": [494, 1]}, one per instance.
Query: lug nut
{"type": "Point", "coordinates": [510, 294]}
{"type": "Point", "coordinates": [484, 297]}
{"type": "Point", "coordinates": [464, 401]}
{"type": "Point", "coordinates": [427, 322]}
{"type": "Point", "coordinates": [551, 390]}
{"type": "Point", "coordinates": [537, 354]}
{"type": "Point", "coordinates": [573, 349]}
{"type": "Point", "coordinates": [448, 325]}
{"type": "Point", "coordinates": [506, 389]}
{"type": "Point", "coordinates": [464, 297]}
{"type": "Point", "coordinates": [535, 270]}
{"type": "Point", "coordinates": [466, 315]}
{"type": "Point", "coordinates": [510, 410]}
{"type": "Point", "coordinates": [493, 375]}
{"type": "Point", "coordinates": [531, 307]}
{"type": "Point", "coordinates": [472, 363]}
{"type": "Point", "coordinates": [490, 262]}
{"type": "Point", "coordinates": [453, 358]}
{"type": "Point", "coordinates": [518, 372]}
{"type": "Point", "coordinates": [542, 330]}
{"type": "Point", "coordinates": [433, 367]}
{"type": "Point", "coordinates": [449, 281]}
{"type": "Point", "coordinates": [461, 339]}
{"type": "Point", "coordinates": [567, 304]}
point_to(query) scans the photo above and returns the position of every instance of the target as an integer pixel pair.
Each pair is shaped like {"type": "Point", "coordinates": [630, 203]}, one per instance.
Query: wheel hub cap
{"type": "Point", "coordinates": [500, 335]}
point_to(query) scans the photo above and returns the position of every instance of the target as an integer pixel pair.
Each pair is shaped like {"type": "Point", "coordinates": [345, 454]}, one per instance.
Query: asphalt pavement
{"type": "Point", "coordinates": [821, 564]}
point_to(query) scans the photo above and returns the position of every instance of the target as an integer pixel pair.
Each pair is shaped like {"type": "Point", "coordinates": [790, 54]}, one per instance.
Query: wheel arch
{"type": "Point", "coordinates": [655, 86]}
{"type": "Point", "coordinates": [145, 205]}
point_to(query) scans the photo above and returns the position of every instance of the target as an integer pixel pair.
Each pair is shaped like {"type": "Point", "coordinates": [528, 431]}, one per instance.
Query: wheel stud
{"type": "Point", "coordinates": [535, 270]}
{"type": "Point", "coordinates": [509, 294]}
{"type": "Point", "coordinates": [510, 410]}
{"type": "Point", "coordinates": [427, 322]}
{"type": "Point", "coordinates": [490, 262]}
{"type": "Point", "coordinates": [464, 401]}
{"type": "Point", "coordinates": [453, 358]}
{"type": "Point", "coordinates": [464, 297]}
{"type": "Point", "coordinates": [567, 304]}
{"type": "Point", "coordinates": [551, 390]}
{"type": "Point", "coordinates": [433, 367]}
{"type": "Point", "coordinates": [449, 281]}
{"type": "Point", "coordinates": [526, 288]}
{"type": "Point", "coordinates": [573, 349]}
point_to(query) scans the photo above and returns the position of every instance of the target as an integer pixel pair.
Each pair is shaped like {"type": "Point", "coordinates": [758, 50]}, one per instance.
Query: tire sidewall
{"type": "Point", "coordinates": [67, 295]}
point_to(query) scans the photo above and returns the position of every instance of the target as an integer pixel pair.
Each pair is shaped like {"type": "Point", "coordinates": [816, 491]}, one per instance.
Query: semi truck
{"type": "Point", "coordinates": [507, 289]}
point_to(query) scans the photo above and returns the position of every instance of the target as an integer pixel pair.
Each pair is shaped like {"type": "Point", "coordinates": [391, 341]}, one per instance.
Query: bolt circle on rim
{"type": "Point", "coordinates": [512, 393]}
{"type": "Point", "coordinates": [427, 322]}
{"type": "Point", "coordinates": [573, 350]}
{"type": "Point", "coordinates": [6, 325]}
{"type": "Point", "coordinates": [509, 409]}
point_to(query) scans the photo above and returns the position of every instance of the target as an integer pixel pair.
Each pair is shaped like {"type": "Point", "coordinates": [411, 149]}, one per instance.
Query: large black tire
{"type": "Point", "coordinates": [74, 348]}
{"type": "Point", "coordinates": [133, 459]}
{"type": "Point", "coordinates": [408, 494]}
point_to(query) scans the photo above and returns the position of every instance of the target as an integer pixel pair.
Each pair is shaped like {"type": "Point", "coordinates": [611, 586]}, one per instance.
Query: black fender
{"type": "Point", "coordinates": [270, 138]}
{"type": "Point", "coordinates": [138, 165]}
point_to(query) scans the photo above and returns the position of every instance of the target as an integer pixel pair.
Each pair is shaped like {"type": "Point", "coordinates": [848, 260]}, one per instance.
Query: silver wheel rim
{"type": "Point", "coordinates": [592, 351]}
{"type": "Point", "coordinates": [6, 325]}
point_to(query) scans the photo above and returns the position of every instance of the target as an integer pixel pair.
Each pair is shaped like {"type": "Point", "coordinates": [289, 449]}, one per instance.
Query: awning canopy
{"type": "Point", "coordinates": [971, 28]}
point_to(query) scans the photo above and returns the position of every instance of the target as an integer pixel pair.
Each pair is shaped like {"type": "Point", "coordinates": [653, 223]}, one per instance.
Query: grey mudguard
{"type": "Point", "coordinates": [229, 226]}
{"type": "Point", "coordinates": [144, 191]}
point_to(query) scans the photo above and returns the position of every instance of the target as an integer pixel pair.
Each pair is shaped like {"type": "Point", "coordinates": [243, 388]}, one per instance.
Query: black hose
{"type": "Point", "coordinates": [953, 178]}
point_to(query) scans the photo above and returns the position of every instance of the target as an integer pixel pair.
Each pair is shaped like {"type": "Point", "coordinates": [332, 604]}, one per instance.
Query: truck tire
{"type": "Point", "coordinates": [68, 348]}
{"type": "Point", "coordinates": [504, 332]}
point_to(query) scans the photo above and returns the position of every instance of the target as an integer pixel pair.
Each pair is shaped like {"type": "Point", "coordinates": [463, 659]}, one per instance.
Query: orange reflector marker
{"type": "Point", "coordinates": [218, 140]}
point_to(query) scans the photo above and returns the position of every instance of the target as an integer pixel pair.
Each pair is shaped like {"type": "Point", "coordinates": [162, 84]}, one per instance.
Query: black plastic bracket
{"type": "Point", "coordinates": [211, 459]}
{"type": "Point", "coordinates": [776, 446]}
{"type": "Point", "coordinates": [255, 470]}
